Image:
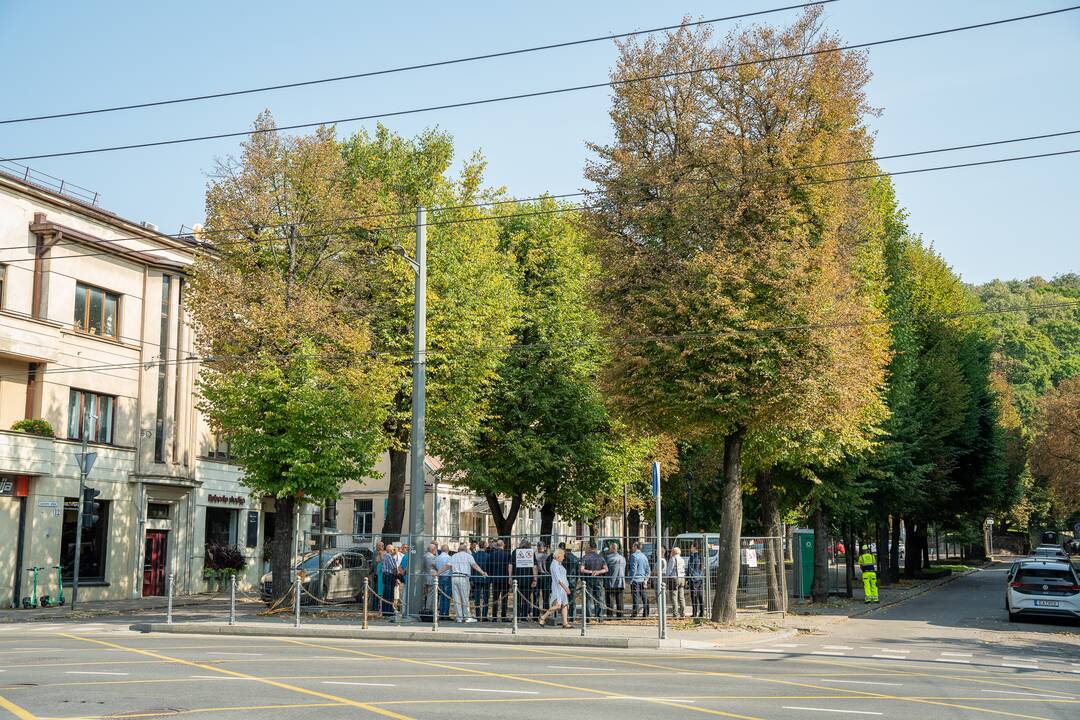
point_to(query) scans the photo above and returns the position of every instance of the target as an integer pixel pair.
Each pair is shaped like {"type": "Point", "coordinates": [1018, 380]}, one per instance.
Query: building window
{"type": "Point", "coordinates": [94, 543]}
{"type": "Point", "coordinates": [158, 511]}
{"type": "Point", "coordinates": [162, 370]}
{"type": "Point", "coordinates": [96, 311]}
{"type": "Point", "coordinates": [3, 283]}
{"type": "Point", "coordinates": [101, 407]}
{"type": "Point", "coordinates": [363, 517]}
{"type": "Point", "coordinates": [219, 448]}
{"type": "Point", "coordinates": [220, 526]}
{"type": "Point", "coordinates": [455, 518]}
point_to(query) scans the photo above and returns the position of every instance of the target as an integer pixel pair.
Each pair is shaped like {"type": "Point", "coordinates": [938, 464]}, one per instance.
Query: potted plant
{"type": "Point", "coordinates": [33, 426]}
{"type": "Point", "coordinates": [222, 563]}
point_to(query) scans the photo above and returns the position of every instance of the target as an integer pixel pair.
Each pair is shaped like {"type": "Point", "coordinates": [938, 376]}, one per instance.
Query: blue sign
{"type": "Point", "coordinates": [656, 479]}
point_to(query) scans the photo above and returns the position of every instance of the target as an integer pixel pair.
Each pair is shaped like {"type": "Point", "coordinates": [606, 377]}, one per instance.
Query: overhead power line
{"type": "Point", "coordinates": [516, 347]}
{"type": "Point", "coordinates": [572, 208]}
{"type": "Point", "coordinates": [544, 93]}
{"type": "Point", "coordinates": [406, 68]}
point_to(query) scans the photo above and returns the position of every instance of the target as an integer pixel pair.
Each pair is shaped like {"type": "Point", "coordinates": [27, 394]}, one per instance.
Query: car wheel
{"type": "Point", "coordinates": [1014, 617]}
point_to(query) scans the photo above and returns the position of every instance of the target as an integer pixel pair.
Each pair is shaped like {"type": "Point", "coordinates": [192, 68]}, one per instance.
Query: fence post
{"type": "Point", "coordinates": [168, 606]}
{"type": "Point", "coordinates": [367, 589]}
{"type": "Point", "coordinates": [296, 601]}
{"type": "Point", "coordinates": [584, 609]}
{"type": "Point", "coordinates": [232, 600]}
{"type": "Point", "coordinates": [433, 597]}
{"type": "Point", "coordinates": [513, 602]}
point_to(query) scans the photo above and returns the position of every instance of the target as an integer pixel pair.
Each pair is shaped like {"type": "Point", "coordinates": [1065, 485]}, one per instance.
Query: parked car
{"type": "Point", "coordinates": [1045, 587]}
{"type": "Point", "coordinates": [341, 578]}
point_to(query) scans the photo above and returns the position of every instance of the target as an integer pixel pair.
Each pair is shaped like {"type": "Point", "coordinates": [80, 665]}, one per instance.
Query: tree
{"type": "Point", "coordinates": [724, 268]}
{"type": "Point", "coordinates": [470, 297]}
{"type": "Point", "coordinates": [291, 381]}
{"type": "Point", "coordinates": [545, 438]}
{"type": "Point", "coordinates": [1056, 450]}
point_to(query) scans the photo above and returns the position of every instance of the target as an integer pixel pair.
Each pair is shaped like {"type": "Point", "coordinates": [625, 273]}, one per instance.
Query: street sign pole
{"type": "Point", "coordinates": [86, 461]}
{"type": "Point", "coordinates": [662, 616]}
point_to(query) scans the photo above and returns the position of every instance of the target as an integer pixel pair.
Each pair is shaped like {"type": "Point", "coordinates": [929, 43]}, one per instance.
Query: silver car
{"type": "Point", "coordinates": [339, 579]}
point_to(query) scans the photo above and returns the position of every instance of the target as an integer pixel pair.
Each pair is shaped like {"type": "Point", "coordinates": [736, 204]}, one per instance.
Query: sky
{"type": "Point", "coordinates": [1013, 220]}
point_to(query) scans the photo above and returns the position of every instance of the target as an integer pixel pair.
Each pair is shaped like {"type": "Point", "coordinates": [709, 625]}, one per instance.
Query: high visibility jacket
{"type": "Point", "coordinates": [866, 562]}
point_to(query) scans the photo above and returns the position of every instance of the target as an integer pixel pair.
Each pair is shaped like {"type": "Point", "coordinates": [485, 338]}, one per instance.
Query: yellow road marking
{"type": "Point", "coordinates": [233, 673]}
{"type": "Point", "coordinates": [863, 693]}
{"type": "Point", "coordinates": [188, 711]}
{"type": "Point", "coordinates": [520, 678]}
{"type": "Point", "coordinates": [15, 710]}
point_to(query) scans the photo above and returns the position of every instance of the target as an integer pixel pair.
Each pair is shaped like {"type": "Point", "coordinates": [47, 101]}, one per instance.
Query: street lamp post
{"type": "Point", "coordinates": [413, 600]}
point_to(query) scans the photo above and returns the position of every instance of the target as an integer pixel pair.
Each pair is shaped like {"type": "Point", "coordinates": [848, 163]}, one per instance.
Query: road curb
{"type": "Point", "coordinates": [426, 635]}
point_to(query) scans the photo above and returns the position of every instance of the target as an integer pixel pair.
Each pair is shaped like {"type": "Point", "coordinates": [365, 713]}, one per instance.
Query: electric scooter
{"type": "Point", "coordinates": [29, 603]}
{"type": "Point", "coordinates": [48, 601]}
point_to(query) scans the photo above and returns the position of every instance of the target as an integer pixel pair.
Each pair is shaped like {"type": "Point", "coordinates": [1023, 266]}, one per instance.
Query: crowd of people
{"type": "Point", "coordinates": [475, 581]}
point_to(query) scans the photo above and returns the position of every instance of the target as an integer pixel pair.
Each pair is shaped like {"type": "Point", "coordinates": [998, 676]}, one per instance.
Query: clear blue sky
{"type": "Point", "coordinates": [1009, 221]}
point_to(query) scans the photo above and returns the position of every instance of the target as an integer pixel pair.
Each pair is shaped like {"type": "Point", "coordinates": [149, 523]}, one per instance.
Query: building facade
{"type": "Point", "coordinates": [94, 340]}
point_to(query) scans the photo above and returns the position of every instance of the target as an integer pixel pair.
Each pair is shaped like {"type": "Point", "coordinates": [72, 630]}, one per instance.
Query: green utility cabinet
{"type": "Point", "coordinates": [803, 566]}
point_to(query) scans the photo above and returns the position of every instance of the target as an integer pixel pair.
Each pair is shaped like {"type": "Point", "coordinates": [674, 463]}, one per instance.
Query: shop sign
{"type": "Point", "coordinates": [227, 499]}
{"type": "Point", "coordinates": [7, 485]}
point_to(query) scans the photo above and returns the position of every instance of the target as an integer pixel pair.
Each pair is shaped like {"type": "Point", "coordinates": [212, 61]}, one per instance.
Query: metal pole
{"type": "Point", "coordinates": [79, 509]}
{"type": "Point", "coordinates": [168, 601]}
{"type": "Point", "coordinates": [584, 608]}
{"type": "Point", "coordinates": [417, 441]}
{"type": "Point", "coordinates": [513, 602]}
{"type": "Point", "coordinates": [232, 600]}
{"type": "Point", "coordinates": [296, 601]}
{"type": "Point", "coordinates": [367, 590]}
{"type": "Point", "coordinates": [434, 597]}
{"type": "Point", "coordinates": [661, 627]}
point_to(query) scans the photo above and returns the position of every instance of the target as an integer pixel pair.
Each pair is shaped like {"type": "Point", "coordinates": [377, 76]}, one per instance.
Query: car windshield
{"type": "Point", "coordinates": [1039, 574]}
{"type": "Point", "coordinates": [312, 563]}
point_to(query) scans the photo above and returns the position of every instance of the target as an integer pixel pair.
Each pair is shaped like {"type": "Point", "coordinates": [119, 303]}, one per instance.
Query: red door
{"type": "Point", "coordinates": [154, 563]}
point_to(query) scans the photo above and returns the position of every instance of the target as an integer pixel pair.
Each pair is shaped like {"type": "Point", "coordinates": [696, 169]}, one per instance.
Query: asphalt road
{"type": "Point", "coordinates": [946, 654]}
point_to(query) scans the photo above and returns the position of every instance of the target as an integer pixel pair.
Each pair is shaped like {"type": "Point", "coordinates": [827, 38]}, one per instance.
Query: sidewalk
{"type": "Point", "coordinates": [105, 608]}
{"type": "Point", "coordinates": [601, 635]}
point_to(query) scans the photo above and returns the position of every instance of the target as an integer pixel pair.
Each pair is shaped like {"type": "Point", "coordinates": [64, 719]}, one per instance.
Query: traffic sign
{"type": "Point", "coordinates": [85, 461]}
{"type": "Point", "coordinates": [656, 479]}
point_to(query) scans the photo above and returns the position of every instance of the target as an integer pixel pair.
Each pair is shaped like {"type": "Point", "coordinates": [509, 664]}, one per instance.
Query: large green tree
{"type": "Point", "coordinates": [470, 296]}
{"type": "Point", "coordinates": [292, 381]}
{"type": "Point", "coordinates": [725, 267]}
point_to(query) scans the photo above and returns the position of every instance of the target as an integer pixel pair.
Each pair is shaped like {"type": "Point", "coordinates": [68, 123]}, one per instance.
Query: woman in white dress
{"type": "Point", "coordinates": [559, 589]}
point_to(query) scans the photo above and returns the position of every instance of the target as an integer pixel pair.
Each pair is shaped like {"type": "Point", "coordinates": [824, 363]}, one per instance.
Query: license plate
{"type": "Point", "coordinates": [1046, 603]}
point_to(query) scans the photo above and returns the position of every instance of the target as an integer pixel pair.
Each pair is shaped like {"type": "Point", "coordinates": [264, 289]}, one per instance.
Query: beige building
{"type": "Point", "coordinates": [92, 319]}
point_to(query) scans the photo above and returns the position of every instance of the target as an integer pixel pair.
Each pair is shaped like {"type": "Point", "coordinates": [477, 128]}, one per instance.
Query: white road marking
{"type": "Point", "coordinates": [587, 669]}
{"type": "Point", "coordinates": [825, 652]}
{"type": "Point", "coordinates": [512, 692]}
{"type": "Point", "coordinates": [956, 654]}
{"type": "Point", "coordinates": [788, 644]}
{"type": "Point", "coordinates": [952, 660]}
{"type": "Point", "coordinates": [890, 657]}
{"type": "Point", "coordinates": [860, 682]}
{"type": "Point", "coordinates": [769, 650]}
{"type": "Point", "coordinates": [1043, 695]}
{"type": "Point", "coordinates": [846, 712]}
{"type": "Point", "coordinates": [236, 653]}
{"type": "Point", "coordinates": [837, 647]}
{"type": "Point", "coordinates": [1022, 667]}
{"type": "Point", "coordinates": [464, 662]}
{"type": "Point", "coordinates": [342, 682]}
{"type": "Point", "coordinates": [1019, 659]}
{"type": "Point", "coordinates": [91, 672]}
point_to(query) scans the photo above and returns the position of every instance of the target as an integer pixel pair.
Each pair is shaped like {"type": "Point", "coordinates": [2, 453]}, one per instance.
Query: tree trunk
{"type": "Point", "coordinates": [633, 519]}
{"type": "Point", "coordinates": [884, 557]}
{"type": "Point", "coordinates": [770, 524]}
{"type": "Point", "coordinates": [395, 496]}
{"type": "Point", "coordinates": [504, 524]}
{"type": "Point", "coordinates": [894, 550]}
{"type": "Point", "coordinates": [281, 562]}
{"type": "Point", "coordinates": [819, 591]}
{"type": "Point", "coordinates": [790, 543]}
{"type": "Point", "coordinates": [911, 547]}
{"type": "Point", "coordinates": [547, 522]}
{"type": "Point", "coordinates": [849, 560]}
{"type": "Point", "coordinates": [727, 581]}
{"type": "Point", "coordinates": [924, 545]}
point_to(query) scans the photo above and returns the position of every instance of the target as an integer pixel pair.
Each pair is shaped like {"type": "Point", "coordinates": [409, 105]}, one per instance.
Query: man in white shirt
{"type": "Point", "coordinates": [460, 565]}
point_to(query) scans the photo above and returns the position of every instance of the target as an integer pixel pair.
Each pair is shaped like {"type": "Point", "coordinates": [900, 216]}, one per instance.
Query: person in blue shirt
{"type": "Point", "coordinates": [441, 561]}
{"type": "Point", "coordinates": [639, 581]}
{"type": "Point", "coordinates": [481, 585]}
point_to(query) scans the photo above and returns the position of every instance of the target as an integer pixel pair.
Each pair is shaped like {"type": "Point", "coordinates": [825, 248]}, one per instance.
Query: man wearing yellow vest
{"type": "Point", "coordinates": [869, 575]}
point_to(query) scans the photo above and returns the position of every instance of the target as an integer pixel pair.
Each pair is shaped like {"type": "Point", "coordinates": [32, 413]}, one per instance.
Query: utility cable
{"type": "Point", "coordinates": [406, 68]}
{"type": "Point", "coordinates": [545, 93]}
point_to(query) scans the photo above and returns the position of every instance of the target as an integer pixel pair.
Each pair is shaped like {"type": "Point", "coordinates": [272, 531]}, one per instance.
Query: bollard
{"type": "Point", "coordinates": [168, 606]}
{"type": "Point", "coordinates": [296, 601]}
{"type": "Point", "coordinates": [434, 599]}
{"type": "Point", "coordinates": [232, 600]}
{"type": "Point", "coordinates": [367, 589]}
{"type": "Point", "coordinates": [514, 601]}
{"type": "Point", "coordinates": [584, 610]}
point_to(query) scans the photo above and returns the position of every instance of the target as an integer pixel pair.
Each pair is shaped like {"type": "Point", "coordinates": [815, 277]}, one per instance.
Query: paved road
{"type": "Point", "coordinates": [939, 656]}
